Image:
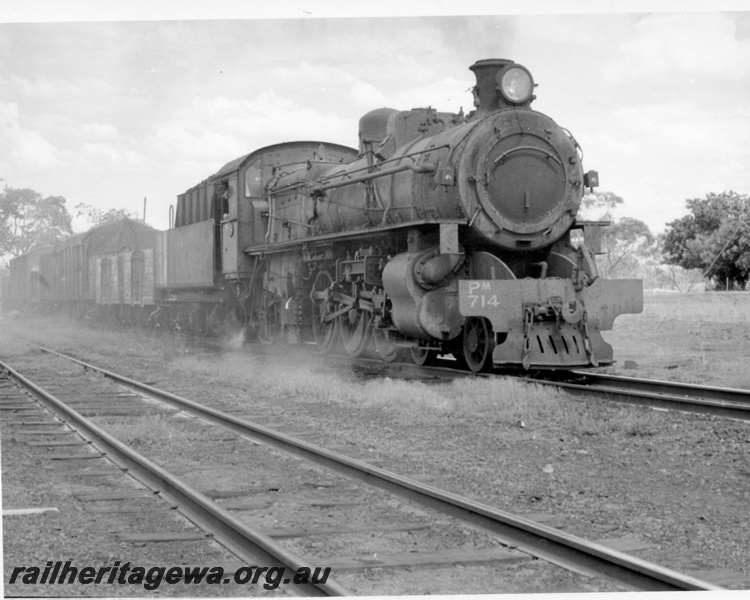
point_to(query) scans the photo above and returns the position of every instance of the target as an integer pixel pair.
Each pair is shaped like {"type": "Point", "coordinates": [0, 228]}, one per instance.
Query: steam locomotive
{"type": "Point", "coordinates": [442, 234]}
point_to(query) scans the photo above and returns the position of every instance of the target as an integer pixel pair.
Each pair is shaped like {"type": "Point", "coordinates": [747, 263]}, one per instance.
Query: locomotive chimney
{"type": "Point", "coordinates": [486, 96]}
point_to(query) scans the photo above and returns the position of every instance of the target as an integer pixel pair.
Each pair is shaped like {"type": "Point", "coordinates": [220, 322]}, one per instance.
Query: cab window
{"type": "Point", "coordinates": [253, 181]}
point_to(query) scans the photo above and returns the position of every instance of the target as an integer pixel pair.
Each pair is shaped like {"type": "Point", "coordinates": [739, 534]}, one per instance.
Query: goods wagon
{"type": "Point", "coordinates": [26, 285]}
{"type": "Point", "coordinates": [110, 264]}
{"type": "Point", "coordinates": [122, 271]}
{"type": "Point", "coordinates": [4, 285]}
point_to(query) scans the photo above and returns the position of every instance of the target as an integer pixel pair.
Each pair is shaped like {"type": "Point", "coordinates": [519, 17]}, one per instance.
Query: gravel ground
{"type": "Point", "coordinates": [677, 484]}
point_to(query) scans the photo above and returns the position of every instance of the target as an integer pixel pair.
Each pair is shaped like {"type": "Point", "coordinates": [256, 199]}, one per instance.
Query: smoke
{"type": "Point", "coordinates": [234, 340]}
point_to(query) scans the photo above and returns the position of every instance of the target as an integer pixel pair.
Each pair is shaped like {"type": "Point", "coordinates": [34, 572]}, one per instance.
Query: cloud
{"type": "Point", "coordinates": [38, 87]}
{"type": "Point", "coordinates": [692, 45]}
{"type": "Point", "coordinates": [324, 85]}
{"type": "Point", "coordinates": [657, 156]}
{"type": "Point", "coordinates": [41, 87]}
{"type": "Point", "coordinates": [178, 99]}
{"type": "Point", "coordinates": [65, 130]}
{"type": "Point", "coordinates": [63, 146]}
{"type": "Point", "coordinates": [118, 153]}
{"type": "Point", "coordinates": [584, 31]}
{"type": "Point", "coordinates": [212, 131]}
{"type": "Point", "coordinates": [683, 131]}
{"type": "Point", "coordinates": [364, 94]}
{"type": "Point", "coordinates": [98, 132]}
{"type": "Point", "coordinates": [446, 94]}
{"type": "Point", "coordinates": [20, 145]}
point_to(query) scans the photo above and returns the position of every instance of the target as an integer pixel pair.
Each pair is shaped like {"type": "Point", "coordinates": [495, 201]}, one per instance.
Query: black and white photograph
{"type": "Point", "coordinates": [328, 298]}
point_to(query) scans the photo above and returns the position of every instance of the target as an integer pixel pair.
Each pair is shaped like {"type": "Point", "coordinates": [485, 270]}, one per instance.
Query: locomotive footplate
{"type": "Point", "coordinates": [546, 322]}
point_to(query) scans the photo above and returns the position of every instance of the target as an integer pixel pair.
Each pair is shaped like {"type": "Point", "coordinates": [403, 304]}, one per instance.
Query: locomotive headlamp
{"type": "Point", "coordinates": [515, 84]}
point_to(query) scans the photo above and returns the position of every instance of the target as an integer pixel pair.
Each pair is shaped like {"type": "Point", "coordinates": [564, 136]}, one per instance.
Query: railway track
{"type": "Point", "coordinates": [251, 546]}
{"type": "Point", "coordinates": [518, 534]}
{"type": "Point", "coordinates": [699, 399]}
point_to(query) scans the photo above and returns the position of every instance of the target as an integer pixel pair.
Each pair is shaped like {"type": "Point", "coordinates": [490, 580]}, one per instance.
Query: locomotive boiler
{"type": "Point", "coordinates": [441, 234]}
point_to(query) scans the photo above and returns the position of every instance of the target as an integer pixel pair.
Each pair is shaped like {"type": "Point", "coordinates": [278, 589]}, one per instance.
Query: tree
{"type": "Point", "coordinates": [599, 205]}
{"type": "Point", "coordinates": [626, 244]}
{"type": "Point", "coordinates": [727, 253]}
{"type": "Point", "coordinates": [714, 237]}
{"type": "Point", "coordinates": [97, 217]}
{"type": "Point", "coordinates": [28, 219]}
{"type": "Point", "coordinates": [658, 274]}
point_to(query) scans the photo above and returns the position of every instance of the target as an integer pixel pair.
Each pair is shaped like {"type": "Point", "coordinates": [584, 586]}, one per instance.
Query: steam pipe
{"type": "Point", "coordinates": [427, 168]}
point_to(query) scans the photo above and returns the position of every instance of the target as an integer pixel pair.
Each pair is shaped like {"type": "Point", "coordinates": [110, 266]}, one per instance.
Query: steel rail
{"type": "Point", "coordinates": [250, 545]}
{"type": "Point", "coordinates": [555, 546]}
{"type": "Point", "coordinates": [690, 390]}
{"type": "Point", "coordinates": [709, 400]}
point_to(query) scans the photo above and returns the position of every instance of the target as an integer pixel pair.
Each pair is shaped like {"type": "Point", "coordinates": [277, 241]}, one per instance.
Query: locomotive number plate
{"type": "Point", "coordinates": [476, 297]}
{"type": "Point", "coordinates": [477, 294]}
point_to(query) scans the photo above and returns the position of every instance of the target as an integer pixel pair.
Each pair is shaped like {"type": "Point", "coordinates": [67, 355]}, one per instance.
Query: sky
{"type": "Point", "coordinates": [108, 103]}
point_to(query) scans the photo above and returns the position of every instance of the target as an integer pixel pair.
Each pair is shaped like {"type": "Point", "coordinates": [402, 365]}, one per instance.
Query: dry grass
{"type": "Point", "coordinates": [154, 432]}
{"type": "Point", "coordinates": [75, 338]}
{"type": "Point", "coordinates": [705, 307]}
{"type": "Point", "coordinates": [502, 401]}
{"type": "Point", "coordinates": [693, 338]}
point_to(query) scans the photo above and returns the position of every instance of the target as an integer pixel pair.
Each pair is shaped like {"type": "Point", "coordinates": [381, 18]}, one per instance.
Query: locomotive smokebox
{"type": "Point", "coordinates": [519, 174]}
